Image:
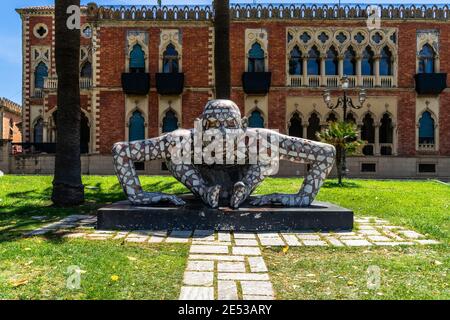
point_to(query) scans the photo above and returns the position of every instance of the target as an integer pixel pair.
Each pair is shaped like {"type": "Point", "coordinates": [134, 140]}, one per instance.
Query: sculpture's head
{"type": "Point", "coordinates": [223, 115]}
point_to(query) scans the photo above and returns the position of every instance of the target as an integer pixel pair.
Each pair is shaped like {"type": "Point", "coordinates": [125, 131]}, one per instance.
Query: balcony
{"type": "Point", "coordinates": [136, 83]}
{"type": "Point", "coordinates": [256, 82]}
{"type": "Point", "coordinates": [52, 83]}
{"type": "Point", "coordinates": [170, 83]}
{"type": "Point", "coordinates": [430, 83]}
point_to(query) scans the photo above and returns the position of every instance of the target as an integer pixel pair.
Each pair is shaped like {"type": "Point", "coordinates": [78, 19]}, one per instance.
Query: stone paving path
{"type": "Point", "coordinates": [228, 265]}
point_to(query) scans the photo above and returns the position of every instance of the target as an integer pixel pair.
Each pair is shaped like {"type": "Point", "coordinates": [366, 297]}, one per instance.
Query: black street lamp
{"type": "Point", "coordinates": [345, 102]}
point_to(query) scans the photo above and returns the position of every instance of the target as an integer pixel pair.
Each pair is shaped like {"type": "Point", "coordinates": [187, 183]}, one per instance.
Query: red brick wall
{"type": "Point", "coordinates": [112, 120]}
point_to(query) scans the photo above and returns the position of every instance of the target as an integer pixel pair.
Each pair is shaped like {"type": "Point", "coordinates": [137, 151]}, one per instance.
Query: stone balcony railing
{"type": "Point", "coordinates": [52, 83]}
{"type": "Point", "coordinates": [334, 81]}
{"type": "Point", "coordinates": [427, 147]}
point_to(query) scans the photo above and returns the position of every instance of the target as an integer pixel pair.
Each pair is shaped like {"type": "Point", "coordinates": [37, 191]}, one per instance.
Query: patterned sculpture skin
{"type": "Point", "coordinates": [219, 183]}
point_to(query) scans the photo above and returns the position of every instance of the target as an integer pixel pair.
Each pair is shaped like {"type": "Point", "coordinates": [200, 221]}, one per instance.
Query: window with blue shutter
{"type": "Point", "coordinates": [137, 59]}
{"type": "Point", "coordinates": [256, 61]}
{"type": "Point", "coordinates": [40, 73]}
{"type": "Point", "coordinates": [136, 127]}
{"type": "Point", "coordinates": [170, 122]}
{"type": "Point", "coordinates": [256, 120]}
{"type": "Point", "coordinates": [426, 128]}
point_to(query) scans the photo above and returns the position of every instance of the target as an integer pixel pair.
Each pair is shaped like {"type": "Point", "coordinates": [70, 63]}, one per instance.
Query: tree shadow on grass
{"type": "Point", "coordinates": [17, 218]}
{"type": "Point", "coordinates": [344, 185]}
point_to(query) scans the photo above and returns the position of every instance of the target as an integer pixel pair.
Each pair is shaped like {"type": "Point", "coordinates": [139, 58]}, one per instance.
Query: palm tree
{"type": "Point", "coordinates": [68, 189]}
{"type": "Point", "coordinates": [222, 49]}
{"type": "Point", "coordinates": [344, 137]}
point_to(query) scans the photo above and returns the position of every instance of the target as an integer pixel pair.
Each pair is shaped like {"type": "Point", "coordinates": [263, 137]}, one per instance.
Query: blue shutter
{"type": "Point", "coordinates": [136, 127]}
{"type": "Point", "coordinates": [40, 73]}
{"type": "Point", "coordinates": [170, 122]}
{"type": "Point", "coordinates": [426, 127]}
{"type": "Point", "coordinates": [256, 120]}
{"type": "Point", "coordinates": [137, 58]}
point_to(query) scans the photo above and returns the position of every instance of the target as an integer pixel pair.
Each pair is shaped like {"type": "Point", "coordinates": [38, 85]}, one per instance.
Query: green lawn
{"type": "Point", "coordinates": [37, 268]}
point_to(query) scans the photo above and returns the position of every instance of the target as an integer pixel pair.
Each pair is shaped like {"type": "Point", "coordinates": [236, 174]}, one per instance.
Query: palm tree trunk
{"type": "Point", "coordinates": [68, 189]}
{"type": "Point", "coordinates": [222, 49]}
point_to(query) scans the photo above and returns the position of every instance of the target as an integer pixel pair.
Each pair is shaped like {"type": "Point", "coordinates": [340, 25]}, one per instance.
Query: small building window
{"type": "Point", "coordinates": [295, 62]}
{"type": "Point", "coordinates": [351, 118]}
{"type": "Point", "coordinates": [256, 60]}
{"type": "Point", "coordinates": [136, 127]}
{"type": "Point", "coordinates": [386, 62]}
{"type": "Point", "coordinates": [256, 120]}
{"type": "Point", "coordinates": [427, 168]}
{"type": "Point", "coordinates": [170, 60]}
{"type": "Point", "coordinates": [313, 126]}
{"type": "Point", "coordinates": [350, 62]}
{"type": "Point", "coordinates": [426, 59]}
{"type": "Point", "coordinates": [367, 62]}
{"type": "Point", "coordinates": [331, 63]}
{"type": "Point", "coordinates": [295, 126]}
{"type": "Point", "coordinates": [368, 167]}
{"type": "Point", "coordinates": [313, 61]}
{"type": "Point", "coordinates": [137, 59]}
{"type": "Point", "coordinates": [86, 70]}
{"type": "Point", "coordinates": [38, 131]}
{"type": "Point", "coordinates": [170, 122]}
{"type": "Point", "coordinates": [40, 73]}
{"type": "Point", "coordinates": [426, 129]}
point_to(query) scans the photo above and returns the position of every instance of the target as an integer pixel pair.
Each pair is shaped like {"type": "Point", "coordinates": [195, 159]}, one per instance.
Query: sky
{"type": "Point", "coordinates": [10, 32]}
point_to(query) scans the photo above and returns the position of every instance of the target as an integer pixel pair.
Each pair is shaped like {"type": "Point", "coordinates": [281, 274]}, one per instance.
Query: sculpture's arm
{"type": "Point", "coordinates": [126, 153]}
{"type": "Point", "coordinates": [319, 155]}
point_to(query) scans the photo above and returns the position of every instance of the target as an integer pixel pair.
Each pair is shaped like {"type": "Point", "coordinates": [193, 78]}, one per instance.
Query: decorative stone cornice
{"type": "Point", "coordinates": [10, 106]}
{"type": "Point", "coordinates": [259, 11]}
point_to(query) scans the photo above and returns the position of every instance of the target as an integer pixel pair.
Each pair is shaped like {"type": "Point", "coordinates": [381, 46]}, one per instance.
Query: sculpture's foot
{"type": "Point", "coordinates": [147, 198]}
{"type": "Point", "coordinates": [212, 196]}
{"type": "Point", "coordinates": [287, 200]}
{"type": "Point", "coordinates": [239, 195]}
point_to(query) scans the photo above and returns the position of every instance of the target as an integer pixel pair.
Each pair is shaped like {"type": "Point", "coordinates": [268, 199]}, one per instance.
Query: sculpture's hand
{"type": "Point", "coordinates": [287, 200]}
{"type": "Point", "coordinates": [239, 195]}
{"type": "Point", "coordinates": [146, 198]}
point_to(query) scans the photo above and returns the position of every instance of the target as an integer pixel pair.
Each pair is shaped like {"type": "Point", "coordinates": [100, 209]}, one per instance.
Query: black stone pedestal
{"type": "Point", "coordinates": [321, 216]}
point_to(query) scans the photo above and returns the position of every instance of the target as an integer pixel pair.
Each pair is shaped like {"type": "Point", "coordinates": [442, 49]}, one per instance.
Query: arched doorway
{"type": "Point", "coordinates": [295, 126]}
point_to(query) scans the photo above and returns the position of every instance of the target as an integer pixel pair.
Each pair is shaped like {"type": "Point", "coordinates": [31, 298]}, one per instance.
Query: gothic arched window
{"type": "Point", "coordinates": [170, 122]}
{"type": "Point", "coordinates": [86, 70]}
{"type": "Point", "coordinates": [367, 62]}
{"type": "Point", "coordinates": [136, 127]}
{"type": "Point", "coordinates": [295, 126]}
{"type": "Point", "coordinates": [313, 126]}
{"type": "Point", "coordinates": [351, 118]}
{"type": "Point", "coordinates": [313, 61]}
{"type": "Point", "coordinates": [38, 131]}
{"type": "Point", "coordinates": [386, 62]}
{"type": "Point", "coordinates": [386, 134]}
{"type": "Point", "coordinates": [426, 59]}
{"type": "Point", "coordinates": [332, 117]}
{"type": "Point", "coordinates": [137, 59]}
{"type": "Point", "coordinates": [368, 134]}
{"type": "Point", "coordinates": [426, 128]}
{"type": "Point", "coordinates": [295, 62]}
{"type": "Point", "coordinates": [170, 60]}
{"type": "Point", "coordinates": [40, 73]}
{"type": "Point", "coordinates": [350, 62]}
{"type": "Point", "coordinates": [256, 120]}
{"type": "Point", "coordinates": [331, 63]}
{"type": "Point", "coordinates": [256, 60]}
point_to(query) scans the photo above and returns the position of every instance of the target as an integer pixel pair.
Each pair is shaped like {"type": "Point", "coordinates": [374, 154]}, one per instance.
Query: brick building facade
{"type": "Point", "coordinates": [146, 70]}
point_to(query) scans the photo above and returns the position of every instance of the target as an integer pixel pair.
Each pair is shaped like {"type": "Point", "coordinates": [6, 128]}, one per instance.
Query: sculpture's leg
{"type": "Point", "coordinates": [189, 176]}
{"type": "Point", "coordinates": [242, 189]}
{"type": "Point", "coordinates": [321, 159]}
{"type": "Point", "coordinates": [124, 155]}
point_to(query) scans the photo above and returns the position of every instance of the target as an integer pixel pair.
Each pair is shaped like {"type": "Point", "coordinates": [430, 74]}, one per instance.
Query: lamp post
{"type": "Point", "coordinates": [346, 102]}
